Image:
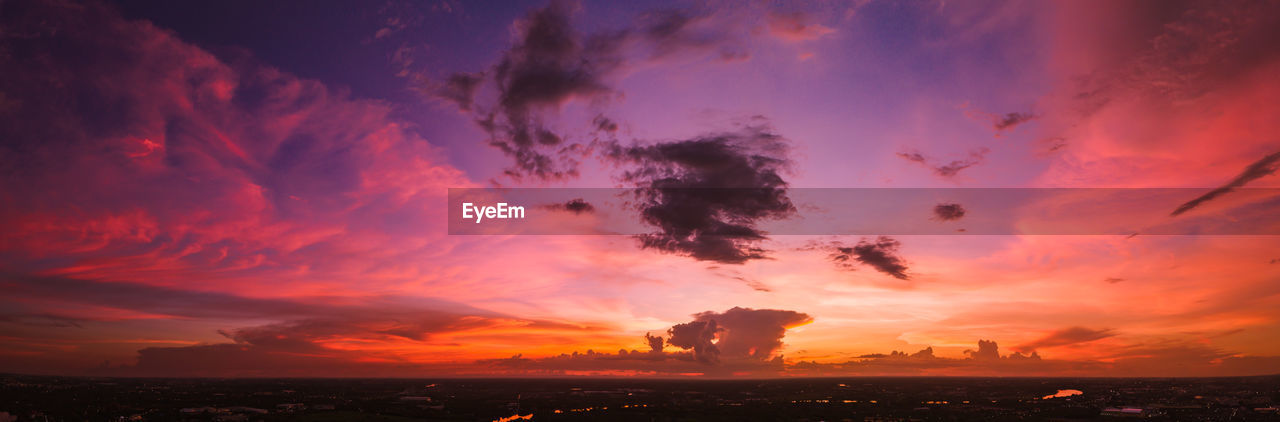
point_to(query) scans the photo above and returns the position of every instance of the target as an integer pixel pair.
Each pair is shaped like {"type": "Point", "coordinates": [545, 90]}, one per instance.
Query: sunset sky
{"type": "Point", "coordinates": [262, 189]}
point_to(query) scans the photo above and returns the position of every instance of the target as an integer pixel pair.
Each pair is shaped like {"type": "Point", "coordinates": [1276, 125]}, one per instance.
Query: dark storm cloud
{"type": "Point", "coordinates": [655, 343]}
{"type": "Point", "coordinates": [987, 350]}
{"type": "Point", "coordinates": [949, 169]}
{"type": "Point", "coordinates": [1065, 336]}
{"type": "Point", "coordinates": [706, 194]}
{"type": "Point", "coordinates": [551, 63]}
{"type": "Point", "coordinates": [1264, 167]}
{"type": "Point", "coordinates": [698, 336]}
{"type": "Point", "coordinates": [738, 333]}
{"type": "Point", "coordinates": [752, 333]}
{"type": "Point", "coordinates": [576, 206]}
{"type": "Point", "coordinates": [882, 254]}
{"type": "Point", "coordinates": [949, 211]}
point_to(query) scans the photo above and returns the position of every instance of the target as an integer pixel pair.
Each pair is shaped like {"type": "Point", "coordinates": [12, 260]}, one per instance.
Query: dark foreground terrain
{"type": "Point", "coordinates": [32, 398]}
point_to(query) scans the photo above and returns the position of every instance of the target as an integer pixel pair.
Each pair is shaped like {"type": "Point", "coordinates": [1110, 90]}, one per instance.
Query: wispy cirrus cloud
{"type": "Point", "coordinates": [1264, 167]}
{"type": "Point", "coordinates": [796, 26]}
{"type": "Point", "coordinates": [1064, 337]}
{"type": "Point", "coordinates": [947, 169]}
{"type": "Point", "coordinates": [188, 169]}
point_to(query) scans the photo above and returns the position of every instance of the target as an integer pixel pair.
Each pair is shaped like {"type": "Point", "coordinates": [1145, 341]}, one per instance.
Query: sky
{"type": "Point", "coordinates": [247, 189]}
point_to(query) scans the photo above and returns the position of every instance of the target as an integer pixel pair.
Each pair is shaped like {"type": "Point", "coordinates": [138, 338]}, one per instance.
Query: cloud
{"type": "Point", "coordinates": [926, 353]}
{"type": "Point", "coordinates": [734, 274]}
{"type": "Point", "coordinates": [698, 336]}
{"type": "Point", "coordinates": [325, 346]}
{"type": "Point", "coordinates": [751, 333]}
{"type": "Point", "coordinates": [985, 360]}
{"type": "Point", "coordinates": [1264, 167]}
{"type": "Point", "coordinates": [742, 333]}
{"type": "Point", "coordinates": [882, 254]}
{"type": "Point", "coordinates": [754, 285]}
{"type": "Point", "coordinates": [1189, 79]}
{"type": "Point", "coordinates": [1138, 360]}
{"type": "Point", "coordinates": [551, 64]}
{"type": "Point", "coordinates": [655, 343]}
{"type": "Point", "coordinates": [714, 343]}
{"type": "Point", "coordinates": [156, 179]}
{"type": "Point", "coordinates": [706, 194]}
{"type": "Point", "coordinates": [42, 320]}
{"type": "Point", "coordinates": [1065, 336]}
{"type": "Point", "coordinates": [1176, 52]}
{"type": "Point", "coordinates": [414, 318]}
{"type": "Point", "coordinates": [459, 88]}
{"type": "Point", "coordinates": [948, 211]}
{"type": "Point", "coordinates": [604, 124]}
{"type": "Point", "coordinates": [949, 169]}
{"type": "Point", "coordinates": [193, 172]}
{"type": "Point", "coordinates": [340, 341]}
{"type": "Point", "coordinates": [576, 206]}
{"type": "Point", "coordinates": [795, 27]}
{"type": "Point", "coordinates": [1009, 120]}
{"type": "Point", "coordinates": [149, 300]}
{"type": "Point", "coordinates": [987, 350]}
{"type": "Point", "coordinates": [672, 32]}
{"type": "Point", "coordinates": [1000, 123]}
